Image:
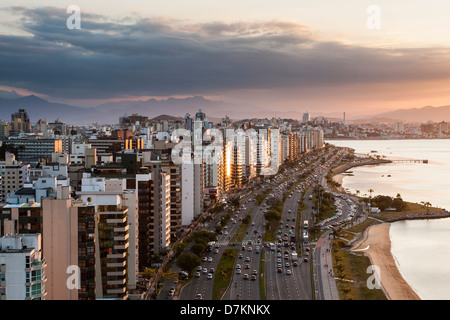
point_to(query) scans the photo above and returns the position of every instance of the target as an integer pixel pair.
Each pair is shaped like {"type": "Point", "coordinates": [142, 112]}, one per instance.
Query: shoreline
{"type": "Point", "coordinates": [376, 245]}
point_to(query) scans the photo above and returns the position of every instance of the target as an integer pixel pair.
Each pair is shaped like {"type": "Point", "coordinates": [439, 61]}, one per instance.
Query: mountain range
{"type": "Point", "coordinates": [38, 108]}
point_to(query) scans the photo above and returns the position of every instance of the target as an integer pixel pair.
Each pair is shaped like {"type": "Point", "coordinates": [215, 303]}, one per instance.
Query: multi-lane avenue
{"type": "Point", "coordinates": [289, 260]}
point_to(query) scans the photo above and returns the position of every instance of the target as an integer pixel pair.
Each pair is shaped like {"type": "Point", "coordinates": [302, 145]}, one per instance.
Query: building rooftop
{"type": "Point", "coordinates": [23, 205]}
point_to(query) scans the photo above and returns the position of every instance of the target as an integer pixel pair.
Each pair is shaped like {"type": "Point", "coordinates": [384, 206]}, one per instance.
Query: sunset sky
{"type": "Point", "coordinates": [287, 54]}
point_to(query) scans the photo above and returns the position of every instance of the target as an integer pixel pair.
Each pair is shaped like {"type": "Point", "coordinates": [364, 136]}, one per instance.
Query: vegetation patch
{"type": "Point", "coordinates": [224, 273]}
{"type": "Point", "coordinates": [350, 271]}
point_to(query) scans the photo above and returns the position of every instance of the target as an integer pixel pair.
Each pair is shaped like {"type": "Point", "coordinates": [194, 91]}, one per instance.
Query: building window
{"type": "Point", "coordinates": [35, 275]}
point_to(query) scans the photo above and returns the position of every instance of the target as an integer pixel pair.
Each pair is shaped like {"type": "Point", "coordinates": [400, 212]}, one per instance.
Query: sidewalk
{"type": "Point", "coordinates": [324, 269]}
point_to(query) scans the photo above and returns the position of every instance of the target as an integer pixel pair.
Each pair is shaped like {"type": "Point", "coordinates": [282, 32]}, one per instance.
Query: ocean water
{"type": "Point", "coordinates": [421, 248]}
{"type": "Point", "coordinates": [415, 182]}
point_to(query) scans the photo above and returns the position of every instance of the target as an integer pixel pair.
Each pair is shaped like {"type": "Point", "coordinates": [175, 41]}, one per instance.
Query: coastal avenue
{"type": "Point", "coordinates": [293, 282]}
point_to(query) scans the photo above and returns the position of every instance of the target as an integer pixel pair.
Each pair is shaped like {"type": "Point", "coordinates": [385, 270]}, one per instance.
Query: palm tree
{"type": "Point", "coordinates": [428, 205]}
{"type": "Point", "coordinates": [370, 197]}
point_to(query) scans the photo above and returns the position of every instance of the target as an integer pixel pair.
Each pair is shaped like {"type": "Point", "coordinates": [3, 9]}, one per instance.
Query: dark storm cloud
{"type": "Point", "coordinates": [113, 58]}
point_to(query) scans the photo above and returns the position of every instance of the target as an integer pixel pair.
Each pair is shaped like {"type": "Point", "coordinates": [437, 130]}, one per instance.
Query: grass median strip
{"type": "Point", "coordinates": [239, 235]}
{"type": "Point", "coordinates": [262, 274]}
{"type": "Point", "coordinates": [224, 273]}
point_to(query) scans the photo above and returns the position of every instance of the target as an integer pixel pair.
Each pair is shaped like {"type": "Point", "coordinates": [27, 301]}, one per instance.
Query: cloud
{"type": "Point", "coordinates": [135, 56]}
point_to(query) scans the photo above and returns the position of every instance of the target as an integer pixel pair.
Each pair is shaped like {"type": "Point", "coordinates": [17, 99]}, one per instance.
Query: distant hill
{"type": "Point", "coordinates": [38, 108]}
{"type": "Point", "coordinates": [109, 113]}
{"type": "Point", "coordinates": [166, 117]}
{"type": "Point", "coordinates": [436, 114]}
{"type": "Point", "coordinates": [374, 119]}
{"type": "Point", "coordinates": [173, 108]}
{"type": "Point", "coordinates": [215, 110]}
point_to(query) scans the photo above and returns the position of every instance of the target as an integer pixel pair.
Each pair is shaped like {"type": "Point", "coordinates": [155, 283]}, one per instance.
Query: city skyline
{"type": "Point", "coordinates": [288, 57]}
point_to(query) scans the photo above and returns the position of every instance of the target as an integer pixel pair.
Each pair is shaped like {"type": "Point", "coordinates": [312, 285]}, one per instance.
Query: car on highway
{"type": "Point", "coordinates": [238, 271]}
{"type": "Point", "coordinates": [253, 277]}
{"type": "Point", "coordinates": [245, 277]}
{"type": "Point", "coordinates": [241, 256]}
{"type": "Point", "coordinates": [216, 251]}
{"type": "Point", "coordinates": [209, 276]}
{"type": "Point", "coordinates": [198, 296]}
{"type": "Point", "coordinates": [305, 260]}
{"type": "Point", "coordinates": [197, 274]}
{"type": "Point", "coordinates": [211, 270]}
{"type": "Point", "coordinates": [199, 268]}
{"type": "Point", "coordinates": [210, 259]}
{"type": "Point", "coordinates": [204, 259]}
{"type": "Point", "coordinates": [247, 259]}
{"type": "Point", "coordinates": [280, 270]}
{"type": "Point", "coordinates": [288, 272]}
{"type": "Point", "coordinates": [205, 270]}
{"type": "Point", "coordinates": [238, 266]}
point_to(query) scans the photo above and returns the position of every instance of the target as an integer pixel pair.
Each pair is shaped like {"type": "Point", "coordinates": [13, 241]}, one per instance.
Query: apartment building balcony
{"type": "Point", "coordinates": [116, 273]}
{"type": "Point", "coordinates": [117, 255]}
{"type": "Point", "coordinates": [112, 209]}
{"type": "Point", "coordinates": [122, 246]}
{"type": "Point", "coordinates": [119, 282]}
{"type": "Point", "coordinates": [116, 264]}
{"type": "Point", "coordinates": [123, 237]}
{"type": "Point", "coordinates": [38, 264]}
{"type": "Point", "coordinates": [3, 284]}
{"type": "Point", "coordinates": [116, 291]}
{"type": "Point", "coordinates": [116, 220]}
{"type": "Point", "coordinates": [122, 229]}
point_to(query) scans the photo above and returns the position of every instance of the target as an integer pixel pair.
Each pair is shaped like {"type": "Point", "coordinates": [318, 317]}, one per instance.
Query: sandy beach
{"type": "Point", "coordinates": [377, 246]}
{"type": "Point", "coordinates": [339, 178]}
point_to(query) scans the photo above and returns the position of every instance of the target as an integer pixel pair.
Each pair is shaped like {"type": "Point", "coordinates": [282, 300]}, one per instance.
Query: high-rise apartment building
{"type": "Point", "coordinates": [20, 122]}
{"type": "Point", "coordinates": [23, 218]}
{"type": "Point", "coordinates": [13, 176]}
{"type": "Point", "coordinates": [22, 268]}
{"type": "Point", "coordinates": [33, 149]}
{"type": "Point", "coordinates": [306, 117]}
{"type": "Point", "coordinates": [153, 190]}
{"type": "Point", "coordinates": [117, 246]}
{"type": "Point", "coordinates": [191, 192]}
{"type": "Point", "coordinates": [69, 243]}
